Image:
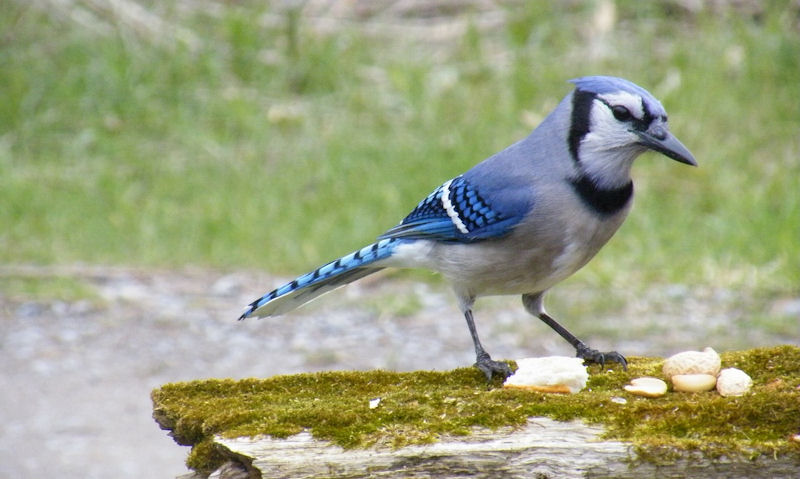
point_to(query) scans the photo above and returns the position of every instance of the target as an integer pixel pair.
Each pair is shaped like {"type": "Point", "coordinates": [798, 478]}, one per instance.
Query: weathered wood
{"type": "Point", "coordinates": [233, 469]}
{"type": "Point", "coordinates": [543, 449]}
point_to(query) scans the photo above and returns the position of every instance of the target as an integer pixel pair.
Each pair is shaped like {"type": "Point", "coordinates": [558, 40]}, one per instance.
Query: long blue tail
{"type": "Point", "coordinates": [323, 279]}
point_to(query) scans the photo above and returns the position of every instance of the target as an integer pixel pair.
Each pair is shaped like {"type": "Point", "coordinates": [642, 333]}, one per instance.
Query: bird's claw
{"type": "Point", "coordinates": [593, 356]}
{"type": "Point", "coordinates": [490, 367]}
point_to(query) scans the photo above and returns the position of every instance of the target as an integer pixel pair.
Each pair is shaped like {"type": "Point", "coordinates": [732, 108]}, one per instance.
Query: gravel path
{"type": "Point", "coordinates": [77, 375]}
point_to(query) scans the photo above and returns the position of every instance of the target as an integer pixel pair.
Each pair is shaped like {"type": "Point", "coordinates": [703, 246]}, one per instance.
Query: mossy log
{"type": "Point", "coordinates": [449, 424]}
{"type": "Point", "coordinates": [542, 449]}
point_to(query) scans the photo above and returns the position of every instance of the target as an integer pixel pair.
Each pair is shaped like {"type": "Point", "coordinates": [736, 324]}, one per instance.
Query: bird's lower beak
{"type": "Point", "coordinates": [658, 138]}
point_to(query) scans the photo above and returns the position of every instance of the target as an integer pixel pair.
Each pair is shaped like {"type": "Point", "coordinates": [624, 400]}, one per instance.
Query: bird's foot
{"type": "Point", "coordinates": [490, 367]}
{"type": "Point", "coordinates": [590, 356]}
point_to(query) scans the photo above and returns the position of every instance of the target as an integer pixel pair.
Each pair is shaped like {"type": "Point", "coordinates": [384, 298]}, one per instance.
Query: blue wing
{"type": "Point", "coordinates": [457, 211]}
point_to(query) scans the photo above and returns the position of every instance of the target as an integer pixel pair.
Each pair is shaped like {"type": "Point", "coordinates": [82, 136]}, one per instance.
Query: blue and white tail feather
{"type": "Point", "coordinates": [326, 278]}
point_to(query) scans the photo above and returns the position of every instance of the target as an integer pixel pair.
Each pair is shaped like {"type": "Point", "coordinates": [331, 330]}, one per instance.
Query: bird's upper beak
{"type": "Point", "coordinates": [658, 138]}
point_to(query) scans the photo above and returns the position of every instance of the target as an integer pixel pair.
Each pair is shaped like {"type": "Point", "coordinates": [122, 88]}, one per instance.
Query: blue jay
{"type": "Point", "coordinates": [522, 220]}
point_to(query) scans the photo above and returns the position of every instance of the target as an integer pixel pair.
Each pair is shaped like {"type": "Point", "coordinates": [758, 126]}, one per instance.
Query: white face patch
{"type": "Point", "coordinates": [631, 101]}
{"type": "Point", "coordinates": [607, 151]}
{"type": "Point", "coordinates": [606, 132]}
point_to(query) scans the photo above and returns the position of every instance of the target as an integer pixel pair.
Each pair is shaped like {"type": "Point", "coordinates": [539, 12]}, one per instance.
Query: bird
{"type": "Point", "coordinates": [523, 219]}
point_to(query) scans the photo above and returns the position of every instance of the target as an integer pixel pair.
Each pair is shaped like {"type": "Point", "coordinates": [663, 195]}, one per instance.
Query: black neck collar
{"type": "Point", "coordinates": [605, 201]}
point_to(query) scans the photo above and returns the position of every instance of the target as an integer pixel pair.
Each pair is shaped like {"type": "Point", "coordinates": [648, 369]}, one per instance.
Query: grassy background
{"type": "Point", "coordinates": [239, 135]}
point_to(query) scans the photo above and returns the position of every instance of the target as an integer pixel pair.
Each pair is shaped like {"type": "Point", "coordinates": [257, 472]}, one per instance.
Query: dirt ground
{"type": "Point", "coordinates": [77, 374]}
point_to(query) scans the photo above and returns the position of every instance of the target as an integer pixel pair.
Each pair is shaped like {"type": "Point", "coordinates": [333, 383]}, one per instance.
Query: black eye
{"type": "Point", "coordinates": [621, 113]}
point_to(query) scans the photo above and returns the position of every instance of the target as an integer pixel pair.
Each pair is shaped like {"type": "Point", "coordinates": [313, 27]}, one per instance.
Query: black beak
{"type": "Point", "coordinates": [658, 138]}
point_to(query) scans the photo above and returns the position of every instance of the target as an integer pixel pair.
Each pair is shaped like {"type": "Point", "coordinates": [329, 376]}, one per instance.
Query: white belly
{"type": "Point", "coordinates": [525, 261]}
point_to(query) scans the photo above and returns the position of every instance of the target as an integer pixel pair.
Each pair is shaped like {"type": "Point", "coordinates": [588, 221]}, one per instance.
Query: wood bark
{"type": "Point", "coordinates": [543, 449]}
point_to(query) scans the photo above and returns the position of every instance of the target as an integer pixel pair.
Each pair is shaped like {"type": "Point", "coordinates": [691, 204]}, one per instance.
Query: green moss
{"type": "Point", "coordinates": [418, 407]}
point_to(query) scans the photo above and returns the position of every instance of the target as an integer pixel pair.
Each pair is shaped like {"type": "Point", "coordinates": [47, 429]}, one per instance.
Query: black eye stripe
{"type": "Point", "coordinates": [648, 117]}
{"type": "Point", "coordinates": [615, 109]}
{"type": "Point", "coordinates": [638, 124]}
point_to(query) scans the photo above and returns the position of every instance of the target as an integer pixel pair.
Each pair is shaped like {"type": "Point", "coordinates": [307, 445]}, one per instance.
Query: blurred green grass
{"type": "Point", "coordinates": [265, 142]}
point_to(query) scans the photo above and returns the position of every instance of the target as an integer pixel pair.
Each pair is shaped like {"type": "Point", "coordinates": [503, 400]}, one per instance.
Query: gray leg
{"type": "Point", "coordinates": [533, 303]}
{"type": "Point", "coordinates": [483, 361]}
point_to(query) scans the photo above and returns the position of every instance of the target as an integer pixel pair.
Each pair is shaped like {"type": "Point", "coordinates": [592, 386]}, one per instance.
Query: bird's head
{"type": "Point", "coordinates": [612, 122]}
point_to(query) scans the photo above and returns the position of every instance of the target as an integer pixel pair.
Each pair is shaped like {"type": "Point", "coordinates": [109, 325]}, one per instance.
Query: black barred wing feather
{"type": "Point", "coordinates": [457, 212]}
